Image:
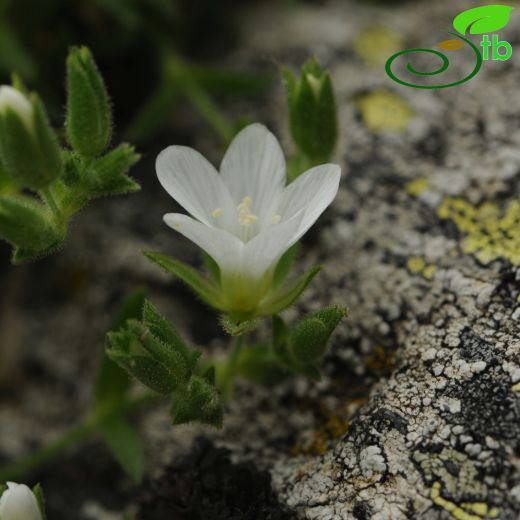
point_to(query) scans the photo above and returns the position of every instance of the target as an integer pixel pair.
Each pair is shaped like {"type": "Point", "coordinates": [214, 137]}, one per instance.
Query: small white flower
{"type": "Point", "coordinates": [16, 101]}
{"type": "Point", "coordinates": [19, 503]}
{"type": "Point", "coordinates": [246, 217]}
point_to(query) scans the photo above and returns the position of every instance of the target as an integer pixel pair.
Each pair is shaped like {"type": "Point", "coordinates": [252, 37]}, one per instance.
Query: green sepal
{"type": "Point", "coordinates": [152, 351]}
{"type": "Point", "coordinates": [89, 116]}
{"type": "Point", "coordinates": [28, 225]}
{"type": "Point", "coordinates": [237, 328]}
{"type": "Point", "coordinates": [161, 329]}
{"type": "Point", "coordinates": [283, 267]}
{"type": "Point", "coordinates": [212, 267]}
{"type": "Point", "coordinates": [200, 401]}
{"type": "Point", "coordinates": [125, 444]}
{"type": "Point", "coordinates": [108, 174]}
{"type": "Point", "coordinates": [279, 300]}
{"type": "Point", "coordinates": [203, 287]}
{"type": "Point", "coordinates": [175, 362]}
{"type": "Point", "coordinates": [40, 499]}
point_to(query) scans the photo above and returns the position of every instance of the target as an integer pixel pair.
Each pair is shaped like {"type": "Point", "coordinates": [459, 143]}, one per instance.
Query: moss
{"type": "Point", "coordinates": [489, 233]}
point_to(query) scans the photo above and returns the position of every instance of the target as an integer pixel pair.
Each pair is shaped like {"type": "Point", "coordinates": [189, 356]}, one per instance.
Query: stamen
{"type": "Point", "coordinates": [245, 217]}
{"type": "Point", "coordinates": [276, 219]}
{"type": "Point", "coordinates": [216, 212]}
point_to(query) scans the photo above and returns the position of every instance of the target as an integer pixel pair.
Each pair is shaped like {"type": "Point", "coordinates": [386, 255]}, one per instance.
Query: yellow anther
{"type": "Point", "coordinates": [216, 212]}
{"type": "Point", "coordinates": [245, 217]}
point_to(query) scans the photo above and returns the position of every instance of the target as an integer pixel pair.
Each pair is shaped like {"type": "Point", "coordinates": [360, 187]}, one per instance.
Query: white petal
{"type": "Point", "coordinates": [16, 101]}
{"type": "Point", "coordinates": [254, 166]}
{"type": "Point", "coordinates": [19, 503]}
{"type": "Point", "coordinates": [311, 192]}
{"type": "Point", "coordinates": [225, 248]}
{"type": "Point", "coordinates": [264, 251]}
{"type": "Point", "coordinates": [194, 183]}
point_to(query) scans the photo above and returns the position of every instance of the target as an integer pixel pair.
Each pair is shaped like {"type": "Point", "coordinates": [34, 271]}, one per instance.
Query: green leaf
{"type": "Point", "coordinates": [40, 499]}
{"type": "Point", "coordinates": [212, 266]}
{"type": "Point", "coordinates": [50, 161]}
{"type": "Point", "coordinates": [107, 176]}
{"type": "Point", "coordinates": [148, 371]}
{"type": "Point", "coordinates": [89, 117]}
{"type": "Point", "coordinates": [125, 444]}
{"type": "Point", "coordinates": [206, 290]}
{"type": "Point", "coordinates": [484, 19]}
{"type": "Point", "coordinates": [286, 296]}
{"type": "Point", "coordinates": [199, 402]}
{"type": "Point", "coordinates": [112, 382]}
{"type": "Point", "coordinates": [284, 265]}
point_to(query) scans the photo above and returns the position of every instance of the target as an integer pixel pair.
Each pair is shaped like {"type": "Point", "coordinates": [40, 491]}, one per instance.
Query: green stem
{"type": "Point", "coordinates": [75, 435]}
{"type": "Point", "coordinates": [49, 199]}
{"type": "Point", "coordinates": [227, 373]}
{"type": "Point", "coordinates": [181, 75]}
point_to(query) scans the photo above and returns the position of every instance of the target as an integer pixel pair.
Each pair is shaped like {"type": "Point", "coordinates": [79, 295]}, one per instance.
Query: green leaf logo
{"type": "Point", "coordinates": [485, 19]}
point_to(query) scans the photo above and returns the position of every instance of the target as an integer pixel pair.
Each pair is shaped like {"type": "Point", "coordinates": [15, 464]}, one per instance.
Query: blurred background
{"type": "Point", "coordinates": [185, 72]}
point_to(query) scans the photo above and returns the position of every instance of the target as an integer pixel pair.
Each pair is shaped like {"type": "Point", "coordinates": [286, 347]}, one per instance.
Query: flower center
{"type": "Point", "coordinates": [245, 216]}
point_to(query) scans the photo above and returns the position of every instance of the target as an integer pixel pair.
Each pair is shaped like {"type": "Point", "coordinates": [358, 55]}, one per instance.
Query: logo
{"type": "Point", "coordinates": [479, 20]}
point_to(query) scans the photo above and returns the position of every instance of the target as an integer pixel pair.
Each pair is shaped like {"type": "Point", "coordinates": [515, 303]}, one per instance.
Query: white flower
{"type": "Point", "coordinates": [19, 503]}
{"type": "Point", "coordinates": [16, 101]}
{"type": "Point", "coordinates": [246, 217]}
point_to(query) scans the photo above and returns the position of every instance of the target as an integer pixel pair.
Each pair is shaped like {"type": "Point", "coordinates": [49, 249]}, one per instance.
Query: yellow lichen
{"type": "Point", "coordinates": [489, 233]}
{"type": "Point", "coordinates": [382, 110]}
{"type": "Point", "coordinates": [417, 186]}
{"type": "Point", "coordinates": [417, 265]}
{"type": "Point", "coordinates": [464, 511]}
{"type": "Point", "coordinates": [375, 44]}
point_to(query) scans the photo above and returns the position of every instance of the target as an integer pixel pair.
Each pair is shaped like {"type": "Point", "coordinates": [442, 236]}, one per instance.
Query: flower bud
{"type": "Point", "coordinates": [26, 223]}
{"type": "Point", "coordinates": [18, 502]}
{"type": "Point", "coordinates": [308, 340]}
{"type": "Point", "coordinates": [312, 112]}
{"type": "Point", "coordinates": [29, 150]}
{"type": "Point", "coordinates": [89, 118]}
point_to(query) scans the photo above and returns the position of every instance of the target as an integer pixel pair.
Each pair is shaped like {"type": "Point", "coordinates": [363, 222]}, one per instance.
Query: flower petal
{"type": "Point", "coordinates": [19, 503]}
{"type": "Point", "coordinates": [311, 192]}
{"type": "Point", "coordinates": [225, 248]}
{"type": "Point", "coordinates": [254, 166]}
{"type": "Point", "coordinates": [263, 251]}
{"type": "Point", "coordinates": [194, 183]}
